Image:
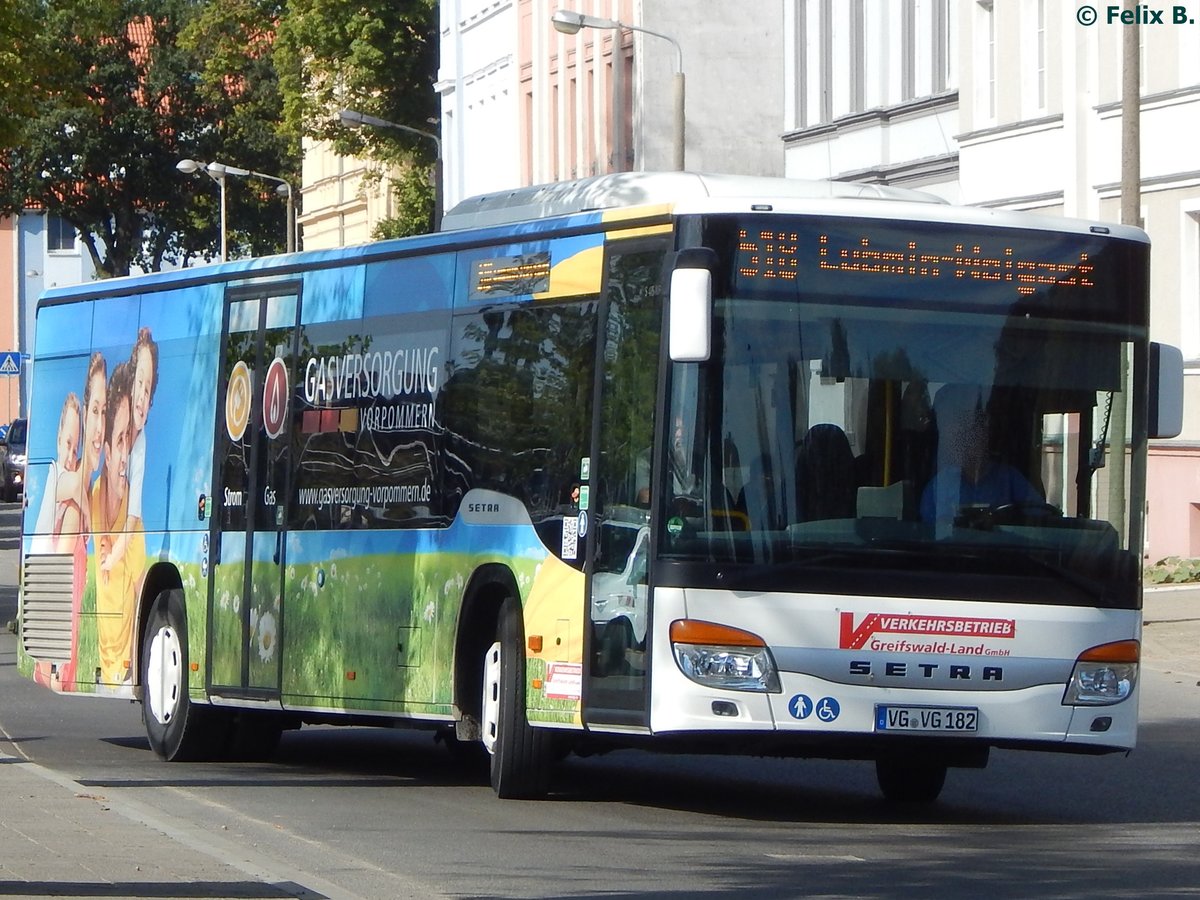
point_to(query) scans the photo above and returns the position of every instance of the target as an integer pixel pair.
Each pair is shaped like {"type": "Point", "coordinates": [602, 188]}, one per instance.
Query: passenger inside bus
{"type": "Point", "coordinates": [967, 473]}
{"type": "Point", "coordinates": [825, 474]}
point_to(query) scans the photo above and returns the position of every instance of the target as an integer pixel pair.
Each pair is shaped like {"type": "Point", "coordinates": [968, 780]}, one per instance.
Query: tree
{"type": "Point", "coordinates": [102, 155]}
{"type": "Point", "coordinates": [378, 57]}
{"type": "Point", "coordinates": [239, 86]}
{"type": "Point", "coordinates": [24, 65]}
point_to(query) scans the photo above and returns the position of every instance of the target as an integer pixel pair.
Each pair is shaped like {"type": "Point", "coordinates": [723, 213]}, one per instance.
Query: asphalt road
{"type": "Point", "coordinates": [381, 813]}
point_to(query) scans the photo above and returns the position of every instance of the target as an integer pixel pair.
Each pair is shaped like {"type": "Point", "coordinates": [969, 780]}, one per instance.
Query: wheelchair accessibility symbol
{"type": "Point", "coordinates": [826, 709]}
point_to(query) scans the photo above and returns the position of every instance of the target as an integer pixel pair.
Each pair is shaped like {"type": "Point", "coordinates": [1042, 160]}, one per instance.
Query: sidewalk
{"type": "Point", "coordinates": [57, 839]}
{"type": "Point", "coordinates": [1171, 628]}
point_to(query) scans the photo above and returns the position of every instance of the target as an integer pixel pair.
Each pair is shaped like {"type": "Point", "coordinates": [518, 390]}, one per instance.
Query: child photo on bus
{"type": "Point", "coordinates": [60, 513]}
{"type": "Point", "coordinates": [143, 362]}
{"type": "Point", "coordinates": [117, 590]}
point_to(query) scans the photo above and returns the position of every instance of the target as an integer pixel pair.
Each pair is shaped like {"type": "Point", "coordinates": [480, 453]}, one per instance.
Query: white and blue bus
{"type": "Point", "coordinates": [683, 462]}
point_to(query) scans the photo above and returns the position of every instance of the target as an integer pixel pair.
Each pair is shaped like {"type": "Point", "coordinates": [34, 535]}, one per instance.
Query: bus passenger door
{"type": "Point", "coordinates": [616, 688]}
{"type": "Point", "coordinates": [248, 513]}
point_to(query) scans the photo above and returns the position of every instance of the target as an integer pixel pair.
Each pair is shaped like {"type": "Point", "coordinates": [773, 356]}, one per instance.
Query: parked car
{"type": "Point", "coordinates": [619, 598]}
{"type": "Point", "coordinates": [12, 461]}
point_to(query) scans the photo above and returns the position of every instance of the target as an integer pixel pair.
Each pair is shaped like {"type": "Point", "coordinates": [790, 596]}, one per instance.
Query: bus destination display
{"type": "Point", "coordinates": [773, 254]}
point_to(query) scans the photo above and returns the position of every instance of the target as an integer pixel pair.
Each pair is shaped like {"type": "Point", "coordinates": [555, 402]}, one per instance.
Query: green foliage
{"type": "Point", "coordinates": [26, 64]}
{"type": "Point", "coordinates": [102, 154]}
{"type": "Point", "coordinates": [1173, 570]}
{"type": "Point", "coordinates": [378, 57]}
{"type": "Point", "coordinates": [232, 42]}
{"type": "Point", "coordinates": [413, 195]}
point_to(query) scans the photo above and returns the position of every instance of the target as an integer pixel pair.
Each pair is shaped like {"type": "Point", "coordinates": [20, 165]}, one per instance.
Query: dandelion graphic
{"type": "Point", "coordinates": [430, 611]}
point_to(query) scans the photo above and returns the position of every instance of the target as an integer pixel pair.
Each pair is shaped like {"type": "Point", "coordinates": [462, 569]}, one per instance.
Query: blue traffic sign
{"type": "Point", "coordinates": [10, 363]}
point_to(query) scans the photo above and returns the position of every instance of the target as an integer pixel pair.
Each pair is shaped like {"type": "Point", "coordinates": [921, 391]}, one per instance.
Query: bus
{"type": "Point", "coordinates": [699, 464]}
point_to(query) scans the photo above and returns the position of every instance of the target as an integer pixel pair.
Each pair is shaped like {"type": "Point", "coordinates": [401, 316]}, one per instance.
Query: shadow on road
{"type": "Point", "coordinates": [1016, 788]}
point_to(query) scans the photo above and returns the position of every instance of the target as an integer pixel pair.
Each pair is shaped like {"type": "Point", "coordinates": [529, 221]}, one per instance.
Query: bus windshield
{"type": "Point", "coordinates": [951, 444]}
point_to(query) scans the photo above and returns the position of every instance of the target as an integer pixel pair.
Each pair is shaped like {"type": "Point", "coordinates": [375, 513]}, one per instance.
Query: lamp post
{"type": "Point", "coordinates": [217, 172]}
{"type": "Point", "coordinates": [190, 166]}
{"type": "Point", "coordinates": [352, 118]}
{"type": "Point", "coordinates": [568, 21]}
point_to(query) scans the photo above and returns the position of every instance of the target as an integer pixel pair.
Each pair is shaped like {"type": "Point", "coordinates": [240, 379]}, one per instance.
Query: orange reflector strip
{"type": "Point", "coordinates": [691, 631]}
{"type": "Point", "coordinates": [535, 643]}
{"type": "Point", "coordinates": [537, 684]}
{"type": "Point", "coordinates": [195, 667]}
{"type": "Point", "coordinates": [1116, 652]}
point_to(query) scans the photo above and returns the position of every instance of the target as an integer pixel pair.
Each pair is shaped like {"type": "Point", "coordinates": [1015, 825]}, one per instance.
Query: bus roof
{"type": "Point", "coordinates": [627, 189]}
{"type": "Point", "coordinates": [550, 208]}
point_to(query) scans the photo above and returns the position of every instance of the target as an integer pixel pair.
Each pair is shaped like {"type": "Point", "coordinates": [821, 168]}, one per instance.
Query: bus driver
{"type": "Point", "coordinates": [967, 474]}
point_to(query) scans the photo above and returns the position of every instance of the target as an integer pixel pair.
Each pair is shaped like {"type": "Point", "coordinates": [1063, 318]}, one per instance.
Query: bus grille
{"type": "Point", "coordinates": [46, 607]}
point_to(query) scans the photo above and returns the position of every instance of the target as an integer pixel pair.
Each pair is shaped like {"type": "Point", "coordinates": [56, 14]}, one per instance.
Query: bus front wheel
{"type": "Point", "coordinates": [520, 754]}
{"type": "Point", "coordinates": [177, 729]}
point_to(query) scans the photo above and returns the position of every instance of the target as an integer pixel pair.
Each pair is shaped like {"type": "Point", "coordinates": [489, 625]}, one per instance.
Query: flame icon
{"type": "Point", "coordinates": [275, 398]}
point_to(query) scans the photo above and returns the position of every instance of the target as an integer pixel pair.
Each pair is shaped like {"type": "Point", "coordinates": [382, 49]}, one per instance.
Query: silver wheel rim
{"type": "Point", "coordinates": [164, 675]}
{"type": "Point", "coordinates": [490, 713]}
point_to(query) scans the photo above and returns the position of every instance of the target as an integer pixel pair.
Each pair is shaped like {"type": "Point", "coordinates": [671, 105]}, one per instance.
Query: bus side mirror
{"type": "Point", "coordinates": [689, 337]}
{"type": "Point", "coordinates": [1165, 415]}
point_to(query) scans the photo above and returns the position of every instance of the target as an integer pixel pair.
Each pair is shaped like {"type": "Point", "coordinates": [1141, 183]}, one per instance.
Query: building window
{"type": "Point", "coordinates": [941, 47]}
{"type": "Point", "coordinates": [1041, 54]}
{"type": "Point", "coordinates": [858, 57]}
{"type": "Point", "coordinates": [60, 235]}
{"type": "Point", "coordinates": [826, 61]}
{"type": "Point", "coordinates": [908, 50]}
{"type": "Point", "coordinates": [802, 59]}
{"type": "Point", "coordinates": [985, 74]}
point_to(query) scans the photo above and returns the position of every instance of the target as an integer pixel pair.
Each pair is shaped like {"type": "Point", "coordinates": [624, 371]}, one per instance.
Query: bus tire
{"type": "Point", "coordinates": [178, 730]}
{"type": "Point", "coordinates": [904, 779]}
{"type": "Point", "coordinates": [521, 755]}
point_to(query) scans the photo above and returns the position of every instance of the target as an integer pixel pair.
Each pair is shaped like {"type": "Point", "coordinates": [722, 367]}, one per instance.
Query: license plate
{"type": "Point", "coordinates": [926, 718]}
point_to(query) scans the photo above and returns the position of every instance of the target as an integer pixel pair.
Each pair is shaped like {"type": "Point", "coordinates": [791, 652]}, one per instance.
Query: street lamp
{"type": "Point", "coordinates": [352, 118]}
{"type": "Point", "coordinates": [217, 172]}
{"type": "Point", "coordinates": [189, 167]}
{"type": "Point", "coordinates": [568, 21]}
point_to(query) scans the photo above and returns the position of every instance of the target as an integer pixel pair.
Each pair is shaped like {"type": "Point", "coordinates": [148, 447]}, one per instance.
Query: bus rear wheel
{"type": "Point", "coordinates": [178, 730]}
{"type": "Point", "coordinates": [910, 780]}
{"type": "Point", "coordinates": [521, 755]}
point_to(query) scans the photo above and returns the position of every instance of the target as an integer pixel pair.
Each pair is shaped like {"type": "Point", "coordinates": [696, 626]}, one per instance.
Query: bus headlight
{"type": "Point", "coordinates": [722, 657]}
{"type": "Point", "coordinates": [1104, 675]}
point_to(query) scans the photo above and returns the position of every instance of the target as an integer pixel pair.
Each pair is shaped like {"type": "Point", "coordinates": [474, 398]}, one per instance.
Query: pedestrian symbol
{"type": "Point", "coordinates": [10, 363]}
{"type": "Point", "coordinates": [800, 706]}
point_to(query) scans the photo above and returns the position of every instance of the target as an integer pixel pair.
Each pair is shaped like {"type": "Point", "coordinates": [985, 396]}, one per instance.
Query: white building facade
{"type": "Point", "coordinates": [524, 104]}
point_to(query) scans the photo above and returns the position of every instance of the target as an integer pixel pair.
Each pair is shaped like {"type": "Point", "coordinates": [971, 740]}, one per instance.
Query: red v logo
{"type": "Point", "coordinates": [855, 638]}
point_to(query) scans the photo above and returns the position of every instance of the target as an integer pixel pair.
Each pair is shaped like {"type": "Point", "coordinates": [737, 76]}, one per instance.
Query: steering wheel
{"type": "Point", "coordinates": [1022, 512]}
